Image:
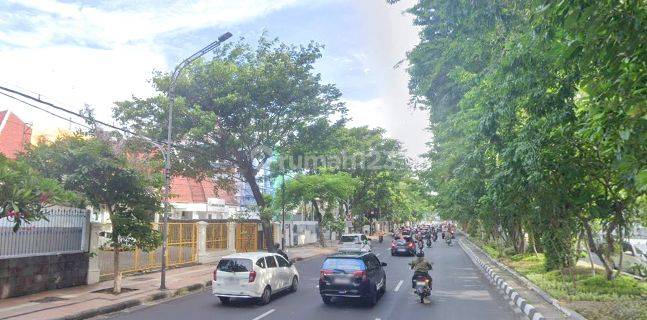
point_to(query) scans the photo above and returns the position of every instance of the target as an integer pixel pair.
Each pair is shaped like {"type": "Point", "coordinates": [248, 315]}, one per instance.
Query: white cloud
{"type": "Point", "coordinates": [73, 54]}
{"type": "Point", "coordinates": [132, 23]}
{"type": "Point", "coordinates": [400, 122]}
{"type": "Point", "coordinates": [73, 76]}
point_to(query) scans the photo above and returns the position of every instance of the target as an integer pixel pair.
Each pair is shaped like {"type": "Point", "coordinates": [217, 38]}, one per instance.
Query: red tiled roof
{"type": "Point", "coordinates": [14, 134]}
{"type": "Point", "coordinates": [187, 190]}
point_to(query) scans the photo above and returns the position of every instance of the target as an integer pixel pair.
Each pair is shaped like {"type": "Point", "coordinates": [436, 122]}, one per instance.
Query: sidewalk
{"type": "Point", "coordinates": [83, 302]}
{"type": "Point", "coordinates": [532, 297]}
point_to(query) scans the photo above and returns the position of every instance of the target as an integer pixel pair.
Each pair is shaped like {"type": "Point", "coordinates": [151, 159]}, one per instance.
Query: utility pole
{"type": "Point", "coordinates": [283, 212]}
{"type": "Point", "coordinates": [169, 144]}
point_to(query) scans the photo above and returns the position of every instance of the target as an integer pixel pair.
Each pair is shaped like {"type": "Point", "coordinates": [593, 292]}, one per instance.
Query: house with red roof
{"type": "Point", "coordinates": [15, 134]}
{"type": "Point", "coordinates": [193, 199]}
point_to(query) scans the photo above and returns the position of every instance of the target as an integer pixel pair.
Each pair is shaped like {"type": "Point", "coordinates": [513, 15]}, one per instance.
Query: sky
{"type": "Point", "coordinates": [94, 52]}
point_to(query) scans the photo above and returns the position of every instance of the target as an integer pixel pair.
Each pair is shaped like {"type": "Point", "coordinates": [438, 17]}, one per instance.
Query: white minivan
{"type": "Point", "coordinates": [354, 242]}
{"type": "Point", "coordinates": [253, 275]}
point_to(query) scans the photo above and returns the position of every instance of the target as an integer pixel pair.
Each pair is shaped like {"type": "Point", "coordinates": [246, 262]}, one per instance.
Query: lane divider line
{"type": "Point", "coordinates": [398, 286]}
{"type": "Point", "coordinates": [264, 315]}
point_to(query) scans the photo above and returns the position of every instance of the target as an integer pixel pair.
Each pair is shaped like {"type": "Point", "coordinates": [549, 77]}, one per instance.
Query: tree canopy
{"type": "Point", "coordinates": [234, 110]}
{"type": "Point", "coordinates": [538, 114]}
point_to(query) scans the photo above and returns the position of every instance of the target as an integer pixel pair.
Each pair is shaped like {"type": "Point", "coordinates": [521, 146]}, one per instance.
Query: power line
{"type": "Point", "coordinates": [73, 113]}
{"type": "Point", "coordinates": [44, 110]}
{"type": "Point", "coordinates": [155, 142]}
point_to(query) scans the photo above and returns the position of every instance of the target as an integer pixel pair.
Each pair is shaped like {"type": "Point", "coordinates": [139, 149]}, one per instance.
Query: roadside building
{"type": "Point", "coordinates": [15, 134]}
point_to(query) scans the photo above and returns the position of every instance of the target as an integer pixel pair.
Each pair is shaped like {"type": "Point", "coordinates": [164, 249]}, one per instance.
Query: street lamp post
{"type": "Point", "coordinates": [169, 143]}
{"type": "Point", "coordinates": [283, 212]}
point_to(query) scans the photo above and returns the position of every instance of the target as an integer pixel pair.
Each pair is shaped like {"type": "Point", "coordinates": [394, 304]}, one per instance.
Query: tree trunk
{"type": "Point", "coordinates": [608, 266]}
{"type": "Point", "coordinates": [620, 259]}
{"type": "Point", "coordinates": [320, 234]}
{"type": "Point", "coordinates": [533, 240]}
{"type": "Point", "coordinates": [250, 176]}
{"type": "Point", "coordinates": [608, 253]}
{"type": "Point", "coordinates": [588, 251]}
{"type": "Point", "coordinates": [116, 284]}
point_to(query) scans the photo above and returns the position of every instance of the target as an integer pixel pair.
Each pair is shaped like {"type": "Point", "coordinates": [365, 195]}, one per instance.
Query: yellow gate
{"type": "Point", "coordinates": [216, 236]}
{"type": "Point", "coordinates": [181, 249]}
{"type": "Point", "coordinates": [246, 237]}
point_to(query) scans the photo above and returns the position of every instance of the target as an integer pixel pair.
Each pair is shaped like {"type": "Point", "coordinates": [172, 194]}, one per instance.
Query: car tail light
{"type": "Point", "coordinates": [360, 274]}
{"type": "Point", "coordinates": [215, 275]}
{"type": "Point", "coordinates": [324, 273]}
{"type": "Point", "coordinates": [252, 276]}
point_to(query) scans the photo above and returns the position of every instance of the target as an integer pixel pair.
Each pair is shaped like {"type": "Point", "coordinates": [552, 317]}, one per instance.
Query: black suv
{"type": "Point", "coordinates": [350, 275]}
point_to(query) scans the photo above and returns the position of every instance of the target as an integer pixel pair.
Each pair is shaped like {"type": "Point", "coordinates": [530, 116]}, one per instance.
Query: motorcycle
{"type": "Point", "coordinates": [448, 240]}
{"type": "Point", "coordinates": [428, 242]}
{"type": "Point", "coordinates": [381, 239]}
{"type": "Point", "coordinates": [422, 288]}
{"type": "Point", "coordinates": [435, 237]}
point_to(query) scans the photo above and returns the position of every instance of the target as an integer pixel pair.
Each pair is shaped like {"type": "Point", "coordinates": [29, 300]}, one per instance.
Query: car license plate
{"type": "Point", "coordinates": [402, 250]}
{"type": "Point", "coordinates": [421, 283]}
{"type": "Point", "coordinates": [342, 281]}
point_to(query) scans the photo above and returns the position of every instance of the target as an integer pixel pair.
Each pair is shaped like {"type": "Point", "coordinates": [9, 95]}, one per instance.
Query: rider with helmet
{"type": "Point", "coordinates": [421, 268]}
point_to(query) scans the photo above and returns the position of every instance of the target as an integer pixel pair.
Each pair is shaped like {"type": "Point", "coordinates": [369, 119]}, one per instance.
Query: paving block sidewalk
{"type": "Point", "coordinates": [535, 299]}
{"type": "Point", "coordinates": [83, 302]}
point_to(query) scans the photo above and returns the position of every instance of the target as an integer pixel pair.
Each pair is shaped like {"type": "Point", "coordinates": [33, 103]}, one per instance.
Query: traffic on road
{"type": "Point", "coordinates": [349, 284]}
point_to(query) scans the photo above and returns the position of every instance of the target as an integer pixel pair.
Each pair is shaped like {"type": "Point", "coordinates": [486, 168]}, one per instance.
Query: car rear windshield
{"type": "Point", "coordinates": [345, 264]}
{"type": "Point", "coordinates": [235, 265]}
{"type": "Point", "coordinates": [348, 238]}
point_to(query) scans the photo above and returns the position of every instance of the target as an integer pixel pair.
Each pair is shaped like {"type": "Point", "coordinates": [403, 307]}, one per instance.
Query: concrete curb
{"type": "Point", "coordinates": [528, 309]}
{"type": "Point", "coordinates": [122, 305]}
{"type": "Point", "coordinates": [568, 312]}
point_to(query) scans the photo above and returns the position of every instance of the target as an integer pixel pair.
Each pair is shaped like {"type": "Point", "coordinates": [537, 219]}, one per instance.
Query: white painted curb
{"type": "Point", "coordinates": [528, 309]}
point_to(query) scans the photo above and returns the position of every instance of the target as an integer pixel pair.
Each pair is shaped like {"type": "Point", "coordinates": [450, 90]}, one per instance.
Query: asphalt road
{"type": "Point", "coordinates": [460, 292]}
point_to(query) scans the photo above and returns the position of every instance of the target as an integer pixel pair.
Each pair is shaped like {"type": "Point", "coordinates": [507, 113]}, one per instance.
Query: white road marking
{"type": "Point", "coordinates": [377, 255]}
{"type": "Point", "coordinates": [264, 315]}
{"type": "Point", "coordinates": [398, 286]}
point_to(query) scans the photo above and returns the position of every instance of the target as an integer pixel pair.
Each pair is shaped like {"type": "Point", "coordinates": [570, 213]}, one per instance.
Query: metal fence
{"type": "Point", "coordinates": [216, 236]}
{"type": "Point", "coordinates": [64, 231]}
{"type": "Point", "coordinates": [182, 250]}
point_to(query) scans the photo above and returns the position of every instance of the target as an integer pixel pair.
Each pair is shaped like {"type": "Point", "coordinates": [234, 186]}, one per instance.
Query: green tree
{"type": "Point", "coordinates": [324, 191]}
{"type": "Point", "coordinates": [24, 192]}
{"type": "Point", "coordinates": [232, 112]}
{"type": "Point", "coordinates": [92, 168]}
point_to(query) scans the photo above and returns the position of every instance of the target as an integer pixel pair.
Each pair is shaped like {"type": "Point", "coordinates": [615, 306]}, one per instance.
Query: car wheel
{"type": "Point", "coordinates": [225, 300]}
{"type": "Point", "coordinates": [326, 300]}
{"type": "Point", "coordinates": [295, 284]}
{"type": "Point", "coordinates": [371, 300]}
{"type": "Point", "coordinates": [266, 297]}
{"type": "Point", "coordinates": [383, 289]}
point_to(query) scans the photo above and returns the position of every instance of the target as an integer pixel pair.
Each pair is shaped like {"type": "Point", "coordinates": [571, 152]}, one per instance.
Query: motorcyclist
{"type": "Point", "coordinates": [277, 249]}
{"type": "Point", "coordinates": [421, 268]}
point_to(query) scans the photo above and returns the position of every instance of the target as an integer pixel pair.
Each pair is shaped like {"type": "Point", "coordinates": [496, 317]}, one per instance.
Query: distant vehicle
{"type": "Point", "coordinates": [355, 242]}
{"type": "Point", "coordinates": [347, 275]}
{"type": "Point", "coordinates": [404, 246]}
{"type": "Point", "coordinates": [253, 275]}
